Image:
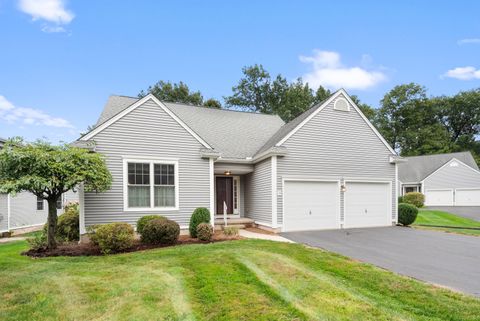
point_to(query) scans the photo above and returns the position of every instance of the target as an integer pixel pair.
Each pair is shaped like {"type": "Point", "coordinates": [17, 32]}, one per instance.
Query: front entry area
{"type": "Point", "coordinates": [227, 194]}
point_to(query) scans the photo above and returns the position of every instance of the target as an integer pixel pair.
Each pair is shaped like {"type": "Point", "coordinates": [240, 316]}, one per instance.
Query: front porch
{"type": "Point", "coordinates": [239, 222]}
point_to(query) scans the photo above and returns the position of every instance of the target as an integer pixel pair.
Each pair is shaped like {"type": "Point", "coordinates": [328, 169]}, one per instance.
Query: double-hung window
{"type": "Point", "coordinates": [39, 204]}
{"type": "Point", "coordinates": [150, 185]}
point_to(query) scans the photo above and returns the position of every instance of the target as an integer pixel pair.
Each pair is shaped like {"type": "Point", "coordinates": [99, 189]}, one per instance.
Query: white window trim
{"type": "Point", "coordinates": [152, 207]}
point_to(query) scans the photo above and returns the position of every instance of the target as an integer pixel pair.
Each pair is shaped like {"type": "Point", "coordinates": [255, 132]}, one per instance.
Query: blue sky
{"type": "Point", "coordinates": [60, 60]}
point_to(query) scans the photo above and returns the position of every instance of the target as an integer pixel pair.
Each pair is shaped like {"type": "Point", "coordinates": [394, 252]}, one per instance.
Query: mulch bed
{"type": "Point", "coordinates": [89, 249]}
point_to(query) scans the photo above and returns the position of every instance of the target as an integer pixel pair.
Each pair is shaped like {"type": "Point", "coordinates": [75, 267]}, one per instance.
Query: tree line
{"type": "Point", "coordinates": [412, 122]}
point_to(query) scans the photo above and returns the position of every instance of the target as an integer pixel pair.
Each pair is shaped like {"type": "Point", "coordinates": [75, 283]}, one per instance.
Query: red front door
{"type": "Point", "coordinates": [224, 188]}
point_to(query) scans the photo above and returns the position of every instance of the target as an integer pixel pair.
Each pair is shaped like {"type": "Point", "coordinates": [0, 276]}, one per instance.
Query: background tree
{"type": "Point", "coordinates": [212, 103]}
{"type": "Point", "coordinates": [48, 171]}
{"type": "Point", "coordinates": [175, 93]}
{"type": "Point", "coordinates": [367, 110]}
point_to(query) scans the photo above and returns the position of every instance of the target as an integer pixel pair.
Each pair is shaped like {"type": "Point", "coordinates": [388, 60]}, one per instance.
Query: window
{"type": "Point", "coordinates": [151, 185]}
{"type": "Point", "coordinates": [235, 195]}
{"type": "Point", "coordinates": [59, 203]}
{"type": "Point", "coordinates": [39, 204]}
{"type": "Point", "coordinates": [164, 185]}
{"type": "Point", "coordinates": [138, 185]}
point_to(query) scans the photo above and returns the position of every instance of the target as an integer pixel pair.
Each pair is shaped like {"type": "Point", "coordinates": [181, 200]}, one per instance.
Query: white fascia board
{"type": "Point", "coordinates": [325, 104]}
{"type": "Point", "coordinates": [112, 120]}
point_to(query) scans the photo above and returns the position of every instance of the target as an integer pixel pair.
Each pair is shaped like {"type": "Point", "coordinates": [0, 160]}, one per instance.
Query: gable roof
{"type": "Point", "coordinates": [291, 127]}
{"type": "Point", "coordinates": [234, 134]}
{"type": "Point", "coordinates": [417, 168]}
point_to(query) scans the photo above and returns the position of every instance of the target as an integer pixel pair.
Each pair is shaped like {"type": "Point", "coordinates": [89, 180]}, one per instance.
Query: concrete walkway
{"type": "Point", "coordinates": [261, 236]}
{"type": "Point", "coordinates": [11, 239]}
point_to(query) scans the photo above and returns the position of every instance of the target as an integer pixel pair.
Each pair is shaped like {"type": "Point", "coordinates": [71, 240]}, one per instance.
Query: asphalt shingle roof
{"type": "Point", "coordinates": [234, 134]}
{"type": "Point", "coordinates": [418, 167]}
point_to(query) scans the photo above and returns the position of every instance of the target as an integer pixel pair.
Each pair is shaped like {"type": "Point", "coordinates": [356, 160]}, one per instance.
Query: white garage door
{"type": "Point", "coordinates": [467, 197]}
{"type": "Point", "coordinates": [439, 197]}
{"type": "Point", "coordinates": [368, 204]}
{"type": "Point", "coordinates": [311, 205]}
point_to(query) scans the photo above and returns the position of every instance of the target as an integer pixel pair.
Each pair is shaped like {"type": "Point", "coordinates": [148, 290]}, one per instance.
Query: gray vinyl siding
{"type": "Point", "coordinates": [461, 176]}
{"type": "Point", "coordinates": [149, 132]}
{"type": "Point", "coordinates": [258, 195]}
{"type": "Point", "coordinates": [336, 144]}
{"type": "Point", "coordinates": [3, 212]}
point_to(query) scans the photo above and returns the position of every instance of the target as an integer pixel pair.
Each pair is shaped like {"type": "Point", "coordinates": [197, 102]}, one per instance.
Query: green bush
{"type": "Point", "coordinates": [204, 232]}
{"type": "Point", "coordinates": [113, 237]}
{"type": "Point", "coordinates": [230, 230]}
{"type": "Point", "coordinates": [414, 198]}
{"type": "Point", "coordinates": [200, 215]}
{"type": "Point", "coordinates": [144, 220]}
{"type": "Point", "coordinates": [38, 241]}
{"type": "Point", "coordinates": [407, 214]}
{"type": "Point", "coordinates": [68, 225]}
{"type": "Point", "coordinates": [400, 200]}
{"type": "Point", "coordinates": [160, 231]}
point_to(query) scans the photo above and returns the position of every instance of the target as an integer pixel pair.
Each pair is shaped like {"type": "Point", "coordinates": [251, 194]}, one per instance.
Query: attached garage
{"type": "Point", "coordinates": [439, 197]}
{"type": "Point", "coordinates": [311, 205]}
{"type": "Point", "coordinates": [368, 204]}
{"type": "Point", "coordinates": [467, 197]}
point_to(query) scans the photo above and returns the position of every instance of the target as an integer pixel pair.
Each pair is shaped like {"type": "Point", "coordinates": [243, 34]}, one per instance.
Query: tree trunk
{"type": "Point", "coordinates": [52, 223]}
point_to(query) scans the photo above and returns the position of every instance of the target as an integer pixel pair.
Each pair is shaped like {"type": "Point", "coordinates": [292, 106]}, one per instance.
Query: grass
{"type": "Point", "coordinates": [439, 218]}
{"type": "Point", "coordinates": [239, 280]}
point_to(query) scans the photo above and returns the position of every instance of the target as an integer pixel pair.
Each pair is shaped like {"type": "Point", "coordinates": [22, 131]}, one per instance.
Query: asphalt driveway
{"type": "Point", "coordinates": [444, 259]}
{"type": "Point", "coordinates": [471, 212]}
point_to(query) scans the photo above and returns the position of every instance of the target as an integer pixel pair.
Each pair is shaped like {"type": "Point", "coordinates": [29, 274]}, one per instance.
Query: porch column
{"type": "Point", "coordinates": [274, 192]}
{"type": "Point", "coordinates": [212, 192]}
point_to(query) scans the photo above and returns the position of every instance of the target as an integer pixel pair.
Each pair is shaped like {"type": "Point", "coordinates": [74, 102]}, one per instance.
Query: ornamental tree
{"type": "Point", "coordinates": [48, 171]}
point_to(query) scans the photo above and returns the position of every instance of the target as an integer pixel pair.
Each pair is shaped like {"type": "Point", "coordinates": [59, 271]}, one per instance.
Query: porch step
{"type": "Point", "coordinates": [241, 222]}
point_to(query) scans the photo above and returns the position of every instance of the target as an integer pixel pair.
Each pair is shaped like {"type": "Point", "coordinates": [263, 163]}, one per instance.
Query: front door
{"type": "Point", "coordinates": [224, 188]}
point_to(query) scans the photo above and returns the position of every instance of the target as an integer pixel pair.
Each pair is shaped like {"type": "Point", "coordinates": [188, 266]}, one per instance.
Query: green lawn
{"type": "Point", "coordinates": [238, 280]}
{"type": "Point", "coordinates": [432, 217]}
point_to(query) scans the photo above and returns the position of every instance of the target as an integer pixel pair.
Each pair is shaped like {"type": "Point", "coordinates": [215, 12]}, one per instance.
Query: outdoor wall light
{"type": "Point", "coordinates": [343, 188]}
{"type": "Point", "coordinates": [228, 173]}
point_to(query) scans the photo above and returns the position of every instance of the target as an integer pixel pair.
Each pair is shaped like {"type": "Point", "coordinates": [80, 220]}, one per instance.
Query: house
{"type": "Point", "coordinates": [327, 169]}
{"type": "Point", "coordinates": [445, 179]}
{"type": "Point", "coordinates": [24, 211]}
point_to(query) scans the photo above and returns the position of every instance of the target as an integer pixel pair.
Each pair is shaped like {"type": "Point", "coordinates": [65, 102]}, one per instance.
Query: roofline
{"type": "Point", "coordinates": [322, 106]}
{"type": "Point", "coordinates": [430, 155]}
{"type": "Point", "coordinates": [449, 161]}
{"type": "Point", "coordinates": [132, 107]}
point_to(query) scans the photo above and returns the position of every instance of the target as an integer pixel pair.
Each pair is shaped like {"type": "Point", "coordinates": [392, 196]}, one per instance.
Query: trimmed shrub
{"type": "Point", "coordinates": [407, 213]}
{"type": "Point", "coordinates": [400, 200]}
{"type": "Point", "coordinates": [113, 237]}
{"type": "Point", "coordinates": [38, 242]}
{"type": "Point", "coordinates": [160, 231]}
{"type": "Point", "coordinates": [230, 231]}
{"type": "Point", "coordinates": [68, 225]}
{"type": "Point", "coordinates": [414, 198]}
{"type": "Point", "coordinates": [204, 232]}
{"type": "Point", "coordinates": [144, 220]}
{"type": "Point", "coordinates": [200, 215]}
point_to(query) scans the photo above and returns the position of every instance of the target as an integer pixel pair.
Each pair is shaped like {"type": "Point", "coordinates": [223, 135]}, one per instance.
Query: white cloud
{"type": "Point", "coordinates": [469, 41]}
{"type": "Point", "coordinates": [463, 73]}
{"type": "Point", "coordinates": [52, 29]}
{"type": "Point", "coordinates": [29, 116]}
{"type": "Point", "coordinates": [328, 71]}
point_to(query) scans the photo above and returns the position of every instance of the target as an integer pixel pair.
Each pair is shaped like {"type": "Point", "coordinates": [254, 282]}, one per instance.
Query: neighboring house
{"type": "Point", "coordinates": [327, 169]}
{"type": "Point", "coordinates": [445, 179]}
{"type": "Point", "coordinates": [24, 210]}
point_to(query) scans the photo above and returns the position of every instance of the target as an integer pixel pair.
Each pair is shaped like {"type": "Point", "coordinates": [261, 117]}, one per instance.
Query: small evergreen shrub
{"type": "Point", "coordinates": [414, 198]}
{"type": "Point", "coordinates": [113, 237]}
{"type": "Point", "coordinates": [204, 232]}
{"type": "Point", "coordinates": [160, 231]}
{"type": "Point", "coordinates": [407, 213]}
{"type": "Point", "coordinates": [38, 242]}
{"type": "Point", "coordinates": [230, 231]}
{"type": "Point", "coordinates": [68, 225]}
{"type": "Point", "coordinates": [400, 200]}
{"type": "Point", "coordinates": [200, 215]}
{"type": "Point", "coordinates": [144, 220]}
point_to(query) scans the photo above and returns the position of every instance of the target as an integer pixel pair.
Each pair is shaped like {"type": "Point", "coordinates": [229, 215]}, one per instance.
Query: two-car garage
{"type": "Point", "coordinates": [332, 204]}
{"type": "Point", "coordinates": [453, 197]}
